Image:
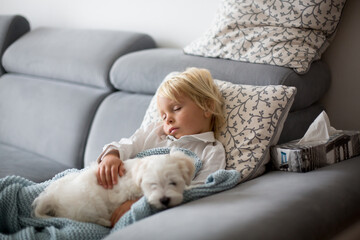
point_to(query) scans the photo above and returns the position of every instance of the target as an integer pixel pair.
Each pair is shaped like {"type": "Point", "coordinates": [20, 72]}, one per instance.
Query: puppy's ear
{"type": "Point", "coordinates": [186, 165]}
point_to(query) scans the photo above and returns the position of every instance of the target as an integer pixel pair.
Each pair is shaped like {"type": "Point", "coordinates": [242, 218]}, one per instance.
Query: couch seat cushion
{"type": "Point", "coordinates": [278, 205]}
{"type": "Point", "coordinates": [29, 165]}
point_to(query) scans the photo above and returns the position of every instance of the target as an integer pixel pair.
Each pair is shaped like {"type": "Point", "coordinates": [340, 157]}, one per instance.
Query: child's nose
{"type": "Point", "coordinates": [169, 120]}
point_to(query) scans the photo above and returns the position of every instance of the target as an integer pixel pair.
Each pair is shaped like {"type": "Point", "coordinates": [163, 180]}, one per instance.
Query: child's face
{"type": "Point", "coordinates": [183, 117]}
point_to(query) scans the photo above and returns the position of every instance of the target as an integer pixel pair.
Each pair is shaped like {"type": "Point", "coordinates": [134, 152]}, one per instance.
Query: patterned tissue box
{"type": "Point", "coordinates": [294, 157]}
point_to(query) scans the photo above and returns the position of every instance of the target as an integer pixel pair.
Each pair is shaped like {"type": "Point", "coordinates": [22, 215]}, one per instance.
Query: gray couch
{"type": "Point", "coordinates": [66, 93]}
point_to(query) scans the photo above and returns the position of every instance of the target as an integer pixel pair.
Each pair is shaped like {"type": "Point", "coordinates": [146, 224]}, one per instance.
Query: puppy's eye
{"type": "Point", "coordinates": [173, 183]}
{"type": "Point", "coordinates": [153, 185]}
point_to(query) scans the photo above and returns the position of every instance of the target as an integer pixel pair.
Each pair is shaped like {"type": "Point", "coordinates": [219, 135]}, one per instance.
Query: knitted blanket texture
{"type": "Point", "coordinates": [17, 195]}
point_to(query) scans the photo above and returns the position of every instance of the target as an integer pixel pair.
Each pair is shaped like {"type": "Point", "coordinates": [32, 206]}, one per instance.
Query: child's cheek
{"type": "Point", "coordinates": [164, 129]}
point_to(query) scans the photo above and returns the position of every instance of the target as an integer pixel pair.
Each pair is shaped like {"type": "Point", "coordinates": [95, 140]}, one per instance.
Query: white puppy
{"type": "Point", "coordinates": [161, 178]}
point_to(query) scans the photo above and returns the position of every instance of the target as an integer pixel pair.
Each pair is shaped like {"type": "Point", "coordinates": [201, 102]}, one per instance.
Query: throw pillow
{"type": "Point", "coordinates": [254, 120]}
{"type": "Point", "coordinates": [255, 117]}
{"type": "Point", "coordinates": [283, 33]}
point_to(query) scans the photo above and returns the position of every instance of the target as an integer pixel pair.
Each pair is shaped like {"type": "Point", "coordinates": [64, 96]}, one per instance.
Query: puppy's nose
{"type": "Point", "coordinates": [165, 201]}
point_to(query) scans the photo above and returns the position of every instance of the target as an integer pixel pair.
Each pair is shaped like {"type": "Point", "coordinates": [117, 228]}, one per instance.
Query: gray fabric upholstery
{"type": "Point", "coordinates": [55, 82]}
{"type": "Point", "coordinates": [82, 56]}
{"type": "Point", "coordinates": [118, 116]}
{"type": "Point", "coordinates": [278, 205]}
{"type": "Point", "coordinates": [298, 122]}
{"type": "Point", "coordinates": [143, 71]}
{"type": "Point", "coordinates": [11, 28]}
{"type": "Point", "coordinates": [49, 118]}
{"type": "Point", "coordinates": [28, 165]}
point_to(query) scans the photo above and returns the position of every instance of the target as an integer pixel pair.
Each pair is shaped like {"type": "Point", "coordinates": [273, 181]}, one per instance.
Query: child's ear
{"type": "Point", "coordinates": [210, 107]}
{"type": "Point", "coordinates": [207, 114]}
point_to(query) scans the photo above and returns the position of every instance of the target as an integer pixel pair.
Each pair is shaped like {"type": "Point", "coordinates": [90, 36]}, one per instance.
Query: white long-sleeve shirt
{"type": "Point", "coordinates": [210, 151]}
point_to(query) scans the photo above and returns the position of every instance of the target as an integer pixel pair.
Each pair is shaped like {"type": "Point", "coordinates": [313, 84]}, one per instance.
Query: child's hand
{"type": "Point", "coordinates": [120, 211]}
{"type": "Point", "coordinates": [109, 168]}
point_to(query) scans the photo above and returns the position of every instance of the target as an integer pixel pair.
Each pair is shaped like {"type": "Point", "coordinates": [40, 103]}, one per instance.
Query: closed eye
{"type": "Point", "coordinates": [173, 183]}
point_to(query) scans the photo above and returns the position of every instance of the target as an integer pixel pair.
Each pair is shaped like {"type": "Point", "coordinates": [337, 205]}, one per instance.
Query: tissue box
{"type": "Point", "coordinates": [296, 157]}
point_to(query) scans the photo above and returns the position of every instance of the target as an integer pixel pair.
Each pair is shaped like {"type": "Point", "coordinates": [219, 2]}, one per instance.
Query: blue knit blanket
{"type": "Point", "coordinates": [17, 195]}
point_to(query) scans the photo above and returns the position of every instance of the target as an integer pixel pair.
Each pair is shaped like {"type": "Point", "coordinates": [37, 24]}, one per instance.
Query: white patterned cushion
{"type": "Point", "coordinates": [283, 33]}
{"type": "Point", "coordinates": [254, 120]}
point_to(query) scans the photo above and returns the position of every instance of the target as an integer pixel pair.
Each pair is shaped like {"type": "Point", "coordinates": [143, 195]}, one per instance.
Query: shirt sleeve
{"type": "Point", "coordinates": [128, 147]}
{"type": "Point", "coordinates": [213, 159]}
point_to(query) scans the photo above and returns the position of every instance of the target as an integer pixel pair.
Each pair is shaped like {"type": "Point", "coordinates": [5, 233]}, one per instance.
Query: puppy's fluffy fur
{"type": "Point", "coordinates": [161, 178]}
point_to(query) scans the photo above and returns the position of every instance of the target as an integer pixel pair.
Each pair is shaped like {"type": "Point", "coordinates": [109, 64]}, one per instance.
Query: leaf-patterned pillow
{"type": "Point", "coordinates": [254, 120]}
{"type": "Point", "coordinates": [284, 33]}
{"type": "Point", "coordinates": [255, 117]}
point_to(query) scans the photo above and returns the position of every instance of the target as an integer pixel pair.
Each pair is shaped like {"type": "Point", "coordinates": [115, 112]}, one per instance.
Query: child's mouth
{"type": "Point", "coordinates": [172, 130]}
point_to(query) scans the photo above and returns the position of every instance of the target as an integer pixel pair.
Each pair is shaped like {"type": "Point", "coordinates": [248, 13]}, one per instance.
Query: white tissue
{"type": "Point", "coordinates": [319, 130]}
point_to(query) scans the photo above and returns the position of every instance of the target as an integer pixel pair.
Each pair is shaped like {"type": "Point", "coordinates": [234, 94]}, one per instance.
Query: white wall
{"type": "Point", "coordinates": [172, 23]}
{"type": "Point", "coordinates": [175, 23]}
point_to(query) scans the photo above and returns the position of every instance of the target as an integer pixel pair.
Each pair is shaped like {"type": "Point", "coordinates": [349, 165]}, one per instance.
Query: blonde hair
{"type": "Point", "coordinates": [199, 86]}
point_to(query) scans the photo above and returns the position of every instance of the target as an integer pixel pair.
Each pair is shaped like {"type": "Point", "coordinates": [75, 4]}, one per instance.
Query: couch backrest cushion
{"type": "Point", "coordinates": [143, 72]}
{"type": "Point", "coordinates": [11, 28]}
{"type": "Point", "coordinates": [137, 75]}
{"type": "Point", "coordinates": [57, 79]}
{"type": "Point", "coordinates": [49, 118]}
{"type": "Point", "coordinates": [81, 56]}
{"type": "Point", "coordinates": [118, 116]}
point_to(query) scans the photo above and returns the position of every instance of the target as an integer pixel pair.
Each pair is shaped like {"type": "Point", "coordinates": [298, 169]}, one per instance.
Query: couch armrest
{"type": "Point", "coordinates": [11, 28]}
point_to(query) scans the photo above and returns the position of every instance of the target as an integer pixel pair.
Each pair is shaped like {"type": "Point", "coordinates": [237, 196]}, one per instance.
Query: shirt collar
{"type": "Point", "coordinates": [204, 137]}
